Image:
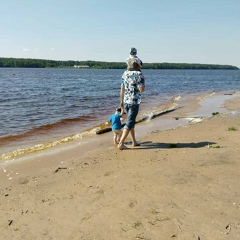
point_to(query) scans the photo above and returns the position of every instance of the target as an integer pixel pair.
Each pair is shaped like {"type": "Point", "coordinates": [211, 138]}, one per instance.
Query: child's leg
{"type": "Point", "coordinates": [114, 138]}
{"type": "Point", "coordinates": [117, 136]}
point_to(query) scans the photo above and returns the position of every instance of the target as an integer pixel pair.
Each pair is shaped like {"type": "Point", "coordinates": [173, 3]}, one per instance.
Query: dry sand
{"type": "Point", "coordinates": [179, 184]}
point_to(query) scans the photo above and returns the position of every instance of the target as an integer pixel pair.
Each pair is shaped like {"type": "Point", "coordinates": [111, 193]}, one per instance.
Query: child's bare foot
{"type": "Point", "coordinates": [122, 147]}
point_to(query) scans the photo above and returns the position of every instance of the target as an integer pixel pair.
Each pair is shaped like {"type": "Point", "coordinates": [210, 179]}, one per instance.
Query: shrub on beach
{"type": "Point", "coordinates": [232, 129]}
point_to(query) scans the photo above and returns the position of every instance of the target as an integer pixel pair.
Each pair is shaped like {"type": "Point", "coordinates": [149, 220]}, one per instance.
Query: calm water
{"type": "Point", "coordinates": [38, 106]}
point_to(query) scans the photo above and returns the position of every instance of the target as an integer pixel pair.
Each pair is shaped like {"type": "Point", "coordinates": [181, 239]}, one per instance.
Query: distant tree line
{"type": "Point", "coordinates": [42, 63]}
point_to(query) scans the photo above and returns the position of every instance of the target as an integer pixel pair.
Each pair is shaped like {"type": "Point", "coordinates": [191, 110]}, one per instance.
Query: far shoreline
{"type": "Point", "coordinates": [90, 64]}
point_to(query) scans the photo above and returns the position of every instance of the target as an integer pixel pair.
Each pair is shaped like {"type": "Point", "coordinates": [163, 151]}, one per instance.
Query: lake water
{"type": "Point", "coordinates": [40, 108]}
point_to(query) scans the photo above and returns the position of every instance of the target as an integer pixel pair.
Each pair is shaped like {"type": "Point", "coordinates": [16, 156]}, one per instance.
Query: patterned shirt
{"type": "Point", "coordinates": [132, 80]}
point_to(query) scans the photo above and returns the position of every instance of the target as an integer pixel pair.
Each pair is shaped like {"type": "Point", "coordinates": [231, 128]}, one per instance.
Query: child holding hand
{"type": "Point", "coordinates": [115, 119]}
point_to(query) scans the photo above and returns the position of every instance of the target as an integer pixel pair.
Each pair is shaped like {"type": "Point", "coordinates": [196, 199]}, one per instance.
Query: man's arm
{"type": "Point", "coordinates": [141, 84]}
{"type": "Point", "coordinates": [141, 89]}
{"type": "Point", "coordinates": [122, 101]}
{"type": "Point", "coordinates": [122, 96]}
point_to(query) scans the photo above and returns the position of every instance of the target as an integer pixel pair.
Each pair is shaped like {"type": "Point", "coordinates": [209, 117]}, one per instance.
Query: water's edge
{"type": "Point", "coordinates": [149, 120]}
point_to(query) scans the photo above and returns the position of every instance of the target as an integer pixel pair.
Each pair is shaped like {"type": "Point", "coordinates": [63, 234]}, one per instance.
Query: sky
{"type": "Point", "coordinates": [174, 31]}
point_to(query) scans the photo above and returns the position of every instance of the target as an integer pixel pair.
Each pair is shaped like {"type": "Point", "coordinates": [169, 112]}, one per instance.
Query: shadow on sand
{"type": "Point", "coordinates": [152, 145]}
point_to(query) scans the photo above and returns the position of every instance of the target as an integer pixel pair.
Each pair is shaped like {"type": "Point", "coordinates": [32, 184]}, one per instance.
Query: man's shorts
{"type": "Point", "coordinates": [132, 112]}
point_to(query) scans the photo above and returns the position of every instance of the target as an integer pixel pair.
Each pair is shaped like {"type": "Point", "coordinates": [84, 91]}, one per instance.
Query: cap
{"type": "Point", "coordinates": [133, 51]}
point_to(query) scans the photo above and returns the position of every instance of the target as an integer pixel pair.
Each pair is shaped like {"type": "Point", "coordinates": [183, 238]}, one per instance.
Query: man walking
{"type": "Point", "coordinates": [133, 84]}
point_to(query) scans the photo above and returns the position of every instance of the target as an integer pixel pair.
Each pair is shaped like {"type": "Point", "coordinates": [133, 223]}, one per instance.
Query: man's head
{"type": "Point", "coordinates": [132, 65]}
{"type": "Point", "coordinates": [133, 51]}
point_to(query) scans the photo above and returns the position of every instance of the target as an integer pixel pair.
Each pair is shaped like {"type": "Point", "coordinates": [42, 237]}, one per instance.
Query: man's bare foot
{"type": "Point", "coordinates": [122, 147]}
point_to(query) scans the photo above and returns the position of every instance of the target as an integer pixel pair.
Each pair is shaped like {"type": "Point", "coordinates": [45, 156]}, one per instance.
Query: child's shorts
{"type": "Point", "coordinates": [117, 131]}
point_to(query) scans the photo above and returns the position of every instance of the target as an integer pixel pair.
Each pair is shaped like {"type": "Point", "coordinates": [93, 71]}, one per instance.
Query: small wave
{"type": "Point", "coordinates": [149, 116]}
{"type": "Point", "coordinates": [172, 104]}
{"type": "Point", "coordinates": [204, 96]}
{"type": "Point", "coordinates": [45, 128]}
{"type": "Point", "coordinates": [40, 147]}
{"type": "Point", "coordinates": [177, 98]}
{"type": "Point", "coordinates": [5, 100]}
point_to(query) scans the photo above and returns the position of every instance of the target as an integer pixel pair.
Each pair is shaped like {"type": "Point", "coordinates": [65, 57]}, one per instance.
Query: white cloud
{"type": "Point", "coordinates": [36, 49]}
{"type": "Point", "coordinates": [52, 48]}
{"type": "Point", "coordinates": [26, 50]}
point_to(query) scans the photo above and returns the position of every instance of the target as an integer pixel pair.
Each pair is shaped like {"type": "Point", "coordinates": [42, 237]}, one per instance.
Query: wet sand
{"type": "Point", "coordinates": [181, 183]}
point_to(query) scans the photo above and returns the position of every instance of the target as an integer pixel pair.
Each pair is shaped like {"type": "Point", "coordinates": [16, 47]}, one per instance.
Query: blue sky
{"type": "Point", "coordinates": [189, 31]}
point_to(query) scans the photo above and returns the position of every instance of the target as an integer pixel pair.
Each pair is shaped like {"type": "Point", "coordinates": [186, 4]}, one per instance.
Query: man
{"type": "Point", "coordinates": [133, 84]}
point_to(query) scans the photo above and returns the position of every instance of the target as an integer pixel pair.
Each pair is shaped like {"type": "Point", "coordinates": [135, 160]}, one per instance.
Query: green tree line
{"type": "Point", "coordinates": [42, 63]}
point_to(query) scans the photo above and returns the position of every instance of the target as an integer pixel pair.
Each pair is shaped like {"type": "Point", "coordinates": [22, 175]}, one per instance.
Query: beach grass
{"type": "Point", "coordinates": [232, 129]}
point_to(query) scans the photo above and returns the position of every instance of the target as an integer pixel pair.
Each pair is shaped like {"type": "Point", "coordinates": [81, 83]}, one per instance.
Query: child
{"type": "Point", "coordinates": [115, 119]}
{"type": "Point", "coordinates": [134, 63]}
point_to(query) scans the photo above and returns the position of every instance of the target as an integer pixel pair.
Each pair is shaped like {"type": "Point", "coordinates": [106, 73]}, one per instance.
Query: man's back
{"type": "Point", "coordinates": [132, 81]}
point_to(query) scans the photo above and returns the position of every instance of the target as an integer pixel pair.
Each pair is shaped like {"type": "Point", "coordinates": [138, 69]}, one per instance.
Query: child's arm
{"type": "Point", "coordinates": [109, 122]}
{"type": "Point", "coordinates": [123, 114]}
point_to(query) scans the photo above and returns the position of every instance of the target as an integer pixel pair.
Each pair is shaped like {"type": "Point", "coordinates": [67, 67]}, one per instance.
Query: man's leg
{"type": "Point", "coordinates": [124, 136]}
{"type": "Point", "coordinates": [132, 111]}
{"type": "Point", "coordinates": [132, 134]}
{"type": "Point", "coordinates": [119, 136]}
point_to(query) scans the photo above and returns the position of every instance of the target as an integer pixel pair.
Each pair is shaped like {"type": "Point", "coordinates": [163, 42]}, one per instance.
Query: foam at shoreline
{"type": "Point", "coordinates": [89, 132]}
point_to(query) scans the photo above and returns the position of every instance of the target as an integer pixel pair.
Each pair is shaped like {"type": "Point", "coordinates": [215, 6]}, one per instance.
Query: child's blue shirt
{"type": "Point", "coordinates": [115, 119]}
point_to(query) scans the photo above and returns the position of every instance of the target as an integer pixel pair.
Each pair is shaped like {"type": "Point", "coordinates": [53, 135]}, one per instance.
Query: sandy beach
{"type": "Point", "coordinates": [181, 183]}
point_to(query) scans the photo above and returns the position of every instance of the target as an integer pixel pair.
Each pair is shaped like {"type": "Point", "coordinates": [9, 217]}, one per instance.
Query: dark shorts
{"type": "Point", "coordinates": [132, 112]}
